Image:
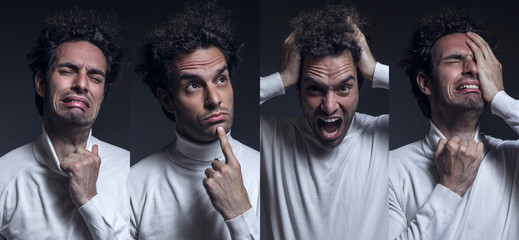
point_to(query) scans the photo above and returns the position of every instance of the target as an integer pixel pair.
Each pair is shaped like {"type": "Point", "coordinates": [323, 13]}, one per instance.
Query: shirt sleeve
{"type": "Point", "coordinates": [245, 226]}
{"type": "Point", "coordinates": [104, 223]}
{"type": "Point", "coordinates": [431, 221]}
{"type": "Point", "coordinates": [507, 108]}
{"type": "Point", "coordinates": [381, 76]}
{"type": "Point", "coordinates": [271, 86]}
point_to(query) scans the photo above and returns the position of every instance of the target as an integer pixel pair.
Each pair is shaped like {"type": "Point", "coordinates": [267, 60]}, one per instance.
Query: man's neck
{"type": "Point", "coordinates": [462, 124]}
{"type": "Point", "coordinates": [66, 138]}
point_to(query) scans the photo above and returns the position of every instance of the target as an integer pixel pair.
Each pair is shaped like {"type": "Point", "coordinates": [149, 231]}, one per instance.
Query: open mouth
{"type": "Point", "coordinates": [329, 127]}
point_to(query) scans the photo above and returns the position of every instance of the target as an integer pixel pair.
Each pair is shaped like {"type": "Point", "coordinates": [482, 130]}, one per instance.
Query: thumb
{"type": "Point", "coordinates": [95, 149]}
{"type": "Point", "coordinates": [439, 148]}
{"type": "Point", "coordinates": [226, 146]}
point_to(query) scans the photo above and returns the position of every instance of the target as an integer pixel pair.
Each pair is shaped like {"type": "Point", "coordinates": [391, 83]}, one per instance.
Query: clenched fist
{"type": "Point", "coordinates": [458, 163]}
{"type": "Point", "coordinates": [83, 168]}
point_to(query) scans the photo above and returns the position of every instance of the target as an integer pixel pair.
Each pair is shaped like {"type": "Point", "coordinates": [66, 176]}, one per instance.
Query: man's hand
{"type": "Point", "coordinates": [367, 62]}
{"type": "Point", "coordinates": [224, 183]}
{"type": "Point", "coordinates": [83, 168]}
{"type": "Point", "coordinates": [458, 163]}
{"type": "Point", "coordinates": [291, 64]}
{"type": "Point", "coordinates": [489, 68]}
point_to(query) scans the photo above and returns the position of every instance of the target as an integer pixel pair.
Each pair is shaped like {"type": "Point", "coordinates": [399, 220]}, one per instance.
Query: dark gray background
{"type": "Point", "coordinates": [151, 130]}
{"type": "Point", "coordinates": [130, 116]}
{"type": "Point", "coordinates": [275, 17]}
{"type": "Point", "coordinates": [391, 26]}
{"type": "Point", "coordinates": [407, 121]}
{"type": "Point", "coordinates": [20, 123]}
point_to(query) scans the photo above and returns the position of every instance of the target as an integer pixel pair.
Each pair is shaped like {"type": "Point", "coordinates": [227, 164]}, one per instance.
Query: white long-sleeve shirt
{"type": "Point", "coordinates": [421, 208]}
{"type": "Point", "coordinates": [35, 201]}
{"type": "Point", "coordinates": [311, 192]}
{"type": "Point", "coordinates": [169, 201]}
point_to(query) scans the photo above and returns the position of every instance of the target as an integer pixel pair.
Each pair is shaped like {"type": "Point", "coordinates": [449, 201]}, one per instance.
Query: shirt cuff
{"type": "Point", "coordinates": [381, 76]}
{"type": "Point", "coordinates": [271, 86]}
{"type": "Point", "coordinates": [90, 211]}
{"type": "Point", "coordinates": [445, 200]}
{"type": "Point", "coordinates": [500, 104]}
{"type": "Point", "coordinates": [243, 225]}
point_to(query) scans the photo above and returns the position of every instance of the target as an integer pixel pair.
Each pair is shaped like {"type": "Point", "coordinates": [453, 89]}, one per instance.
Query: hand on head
{"type": "Point", "coordinates": [489, 68]}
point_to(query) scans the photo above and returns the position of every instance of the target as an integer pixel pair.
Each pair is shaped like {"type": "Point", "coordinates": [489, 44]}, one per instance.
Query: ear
{"type": "Point", "coordinates": [165, 100]}
{"type": "Point", "coordinates": [39, 83]}
{"type": "Point", "coordinates": [424, 83]}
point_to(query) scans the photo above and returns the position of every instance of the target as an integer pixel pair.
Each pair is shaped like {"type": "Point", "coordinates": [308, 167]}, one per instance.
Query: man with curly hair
{"type": "Point", "coordinates": [324, 174]}
{"type": "Point", "coordinates": [205, 184]}
{"type": "Point", "coordinates": [67, 184]}
{"type": "Point", "coordinates": [456, 183]}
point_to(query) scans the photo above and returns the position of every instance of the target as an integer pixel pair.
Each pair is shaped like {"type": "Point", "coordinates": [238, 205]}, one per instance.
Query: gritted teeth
{"type": "Point", "coordinates": [465, 86]}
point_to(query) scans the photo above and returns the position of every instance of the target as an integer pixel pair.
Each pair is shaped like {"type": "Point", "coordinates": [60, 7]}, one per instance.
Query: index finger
{"type": "Point", "coordinates": [226, 146]}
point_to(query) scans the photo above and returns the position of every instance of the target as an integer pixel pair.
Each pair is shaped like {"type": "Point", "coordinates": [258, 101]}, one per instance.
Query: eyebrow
{"type": "Point", "coordinates": [341, 82]}
{"type": "Point", "coordinates": [454, 56]}
{"type": "Point", "coordinates": [196, 76]}
{"type": "Point", "coordinates": [76, 68]}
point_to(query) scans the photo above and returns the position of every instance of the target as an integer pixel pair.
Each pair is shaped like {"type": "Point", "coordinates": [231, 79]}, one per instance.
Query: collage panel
{"type": "Point", "coordinates": [324, 122]}
{"type": "Point", "coordinates": [65, 129]}
{"type": "Point", "coordinates": [453, 165]}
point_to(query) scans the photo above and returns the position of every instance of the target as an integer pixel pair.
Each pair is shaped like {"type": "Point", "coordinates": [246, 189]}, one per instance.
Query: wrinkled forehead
{"type": "Point", "coordinates": [202, 63]}
{"type": "Point", "coordinates": [331, 68]}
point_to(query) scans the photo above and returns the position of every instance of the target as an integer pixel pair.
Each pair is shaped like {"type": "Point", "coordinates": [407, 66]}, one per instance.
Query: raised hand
{"type": "Point", "coordinates": [458, 163]}
{"type": "Point", "coordinates": [83, 168]}
{"type": "Point", "coordinates": [367, 62]}
{"type": "Point", "coordinates": [489, 68]}
{"type": "Point", "coordinates": [224, 183]}
{"type": "Point", "coordinates": [291, 64]}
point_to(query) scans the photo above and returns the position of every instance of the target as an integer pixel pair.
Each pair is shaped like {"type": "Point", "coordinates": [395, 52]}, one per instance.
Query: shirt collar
{"type": "Point", "coordinates": [45, 153]}
{"type": "Point", "coordinates": [434, 135]}
{"type": "Point", "coordinates": [204, 152]}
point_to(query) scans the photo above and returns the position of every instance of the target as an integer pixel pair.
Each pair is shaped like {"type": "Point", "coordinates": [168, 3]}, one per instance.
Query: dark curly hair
{"type": "Point", "coordinates": [328, 32]}
{"type": "Point", "coordinates": [418, 57]}
{"type": "Point", "coordinates": [77, 25]}
{"type": "Point", "coordinates": [196, 26]}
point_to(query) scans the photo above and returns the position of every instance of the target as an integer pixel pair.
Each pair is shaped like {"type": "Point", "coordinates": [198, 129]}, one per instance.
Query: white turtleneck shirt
{"type": "Point", "coordinates": [313, 192]}
{"type": "Point", "coordinates": [35, 201]}
{"type": "Point", "coordinates": [168, 199]}
{"type": "Point", "coordinates": [421, 208]}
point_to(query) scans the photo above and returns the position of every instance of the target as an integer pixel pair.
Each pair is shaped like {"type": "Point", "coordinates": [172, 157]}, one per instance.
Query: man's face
{"type": "Point", "coordinates": [455, 85]}
{"type": "Point", "coordinates": [75, 87]}
{"type": "Point", "coordinates": [329, 96]}
{"type": "Point", "coordinates": [202, 94]}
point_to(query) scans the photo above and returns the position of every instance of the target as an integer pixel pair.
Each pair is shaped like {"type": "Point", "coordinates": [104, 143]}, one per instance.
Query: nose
{"type": "Point", "coordinates": [329, 104]}
{"type": "Point", "coordinates": [470, 67]}
{"type": "Point", "coordinates": [80, 82]}
{"type": "Point", "coordinates": [212, 98]}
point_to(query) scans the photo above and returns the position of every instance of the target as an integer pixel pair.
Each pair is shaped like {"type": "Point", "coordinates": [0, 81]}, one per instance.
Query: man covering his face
{"type": "Point", "coordinates": [67, 184]}
{"type": "Point", "coordinates": [456, 183]}
{"type": "Point", "coordinates": [324, 174]}
{"type": "Point", "coordinates": [205, 184]}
